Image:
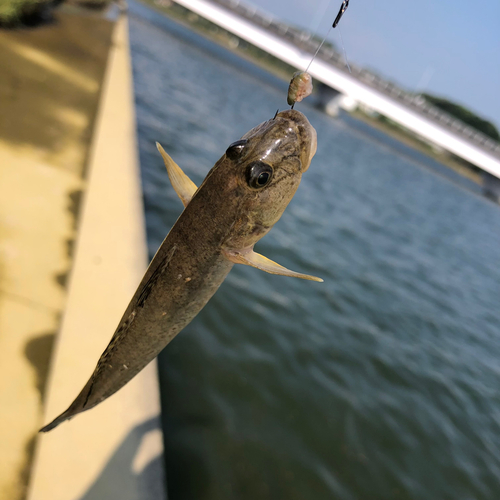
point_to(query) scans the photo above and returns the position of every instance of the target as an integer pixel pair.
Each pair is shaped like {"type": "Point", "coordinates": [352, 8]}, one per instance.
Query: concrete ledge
{"type": "Point", "coordinates": [50, 83]}
{"type": "Point", "coordinates": [115, 450]}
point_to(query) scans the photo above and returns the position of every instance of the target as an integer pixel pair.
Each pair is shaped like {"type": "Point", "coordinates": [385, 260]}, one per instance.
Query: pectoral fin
{"type": "Point", "coordinates": [183, 185]}
{"type": "Point", "coordinates": [254, 259]}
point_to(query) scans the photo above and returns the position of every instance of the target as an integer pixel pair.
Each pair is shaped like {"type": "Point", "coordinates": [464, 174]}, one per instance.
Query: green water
{"type": "Point", "coordinates": [382, 382]}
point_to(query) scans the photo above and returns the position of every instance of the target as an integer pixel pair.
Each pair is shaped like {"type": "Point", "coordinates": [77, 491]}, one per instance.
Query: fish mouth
{"type": "Point", "coordinates": [306, 133]}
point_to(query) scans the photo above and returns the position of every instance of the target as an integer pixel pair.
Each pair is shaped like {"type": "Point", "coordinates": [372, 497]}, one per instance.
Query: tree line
{"type": "Point", "coordinates": [465, 115]}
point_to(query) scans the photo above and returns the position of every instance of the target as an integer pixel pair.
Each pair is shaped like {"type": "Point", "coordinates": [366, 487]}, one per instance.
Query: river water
{"type": "Point", "coordinates": [383, 382]}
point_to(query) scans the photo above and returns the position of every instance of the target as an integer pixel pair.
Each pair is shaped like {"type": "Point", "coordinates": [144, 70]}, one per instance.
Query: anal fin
{"type": "Point", "coordinates": [254, 259]}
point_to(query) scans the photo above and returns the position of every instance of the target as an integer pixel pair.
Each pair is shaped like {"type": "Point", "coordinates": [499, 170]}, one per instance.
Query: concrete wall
{"type": "Point", "coordinates": [50, 82]}
{"type": "Point", "coordinates": [113, 451]}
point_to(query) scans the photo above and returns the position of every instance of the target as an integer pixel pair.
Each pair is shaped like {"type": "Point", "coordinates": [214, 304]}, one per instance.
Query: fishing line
{"type": "Point", "coordinates": [345, 53]}
{"type": "Point", "coordinates": [318, 49]}
{"type": "Point", "coordinates": [319, 15]}
{"type": "Point", "coordinates": [341, 12]}
{"type": "Point", "coordinates": [301, 82]}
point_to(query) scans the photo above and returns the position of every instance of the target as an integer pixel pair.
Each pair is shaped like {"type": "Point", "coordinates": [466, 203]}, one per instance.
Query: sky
{"type": "Point", "coordinates": [450, 48]}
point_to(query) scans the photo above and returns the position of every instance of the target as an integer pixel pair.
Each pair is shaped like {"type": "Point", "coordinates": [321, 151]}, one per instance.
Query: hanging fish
{"type": "Point", "coordinates": [239, 201]}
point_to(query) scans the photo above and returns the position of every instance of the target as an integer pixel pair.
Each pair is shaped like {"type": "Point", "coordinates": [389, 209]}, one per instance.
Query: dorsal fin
{"type": "Point", "coordinates": [183, 185]}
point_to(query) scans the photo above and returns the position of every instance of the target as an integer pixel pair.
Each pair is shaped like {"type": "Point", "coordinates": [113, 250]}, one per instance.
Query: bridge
{"type": "Point", "coordinates": [296, 48]}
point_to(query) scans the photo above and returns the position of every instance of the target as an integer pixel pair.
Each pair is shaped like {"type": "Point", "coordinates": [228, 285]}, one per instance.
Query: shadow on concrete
{"type": "Point", "coordinates": [119, 481]}
{"type": "Point", "coordinates": [38, 352]}
{"type": "Point", "coordinates": [74, 208]}
{"type": "Point", "coordinates": [50, 81]}
{"type": "Point", "coordinates": [24, 474]}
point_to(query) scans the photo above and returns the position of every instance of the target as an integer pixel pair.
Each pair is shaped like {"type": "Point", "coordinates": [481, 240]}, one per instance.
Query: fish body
{"type": "Point", "coordinates": [241, 198]}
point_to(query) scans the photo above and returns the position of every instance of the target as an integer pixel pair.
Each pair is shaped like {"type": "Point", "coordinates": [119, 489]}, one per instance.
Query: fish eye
{"type": "Point", "coordinates": [235, 149]}
{"type": "Point", "coordinates": [259, 174]}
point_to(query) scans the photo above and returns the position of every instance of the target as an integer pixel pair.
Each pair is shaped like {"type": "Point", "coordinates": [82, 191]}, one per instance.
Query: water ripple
{"type": "Point", "coordinates": [381, 383]}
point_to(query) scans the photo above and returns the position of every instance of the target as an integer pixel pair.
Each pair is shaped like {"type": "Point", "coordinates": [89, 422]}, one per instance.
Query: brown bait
{"type": "Point", "coordinates": [300, 87]}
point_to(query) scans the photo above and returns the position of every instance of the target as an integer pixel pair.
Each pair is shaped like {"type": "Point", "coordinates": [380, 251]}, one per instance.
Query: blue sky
{"type": "Point", "coordinates": [450, 48]}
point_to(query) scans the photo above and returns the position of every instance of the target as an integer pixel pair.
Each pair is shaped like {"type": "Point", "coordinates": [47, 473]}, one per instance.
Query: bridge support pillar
{"type": "Point", "coordinates": [332, 101]}
{"type": "Point", "coordinates": [491, 186]}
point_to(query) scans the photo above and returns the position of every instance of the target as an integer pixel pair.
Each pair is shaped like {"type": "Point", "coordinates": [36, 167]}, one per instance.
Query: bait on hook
{"type": "Point", "coordinates": [300, 86]}
{"type": "Point", "coordinates": [301, 83]}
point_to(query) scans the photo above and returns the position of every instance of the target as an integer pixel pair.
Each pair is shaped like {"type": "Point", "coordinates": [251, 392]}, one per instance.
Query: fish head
{"type": "Point", "coordinates": [263, 171]}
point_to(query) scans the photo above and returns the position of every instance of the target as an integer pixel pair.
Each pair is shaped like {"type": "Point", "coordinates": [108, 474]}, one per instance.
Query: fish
{"type": "Point", "coordinates": [240, 200]}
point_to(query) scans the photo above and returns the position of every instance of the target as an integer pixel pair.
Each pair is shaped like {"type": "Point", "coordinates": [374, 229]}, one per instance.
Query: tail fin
{"type": "Point", "coordinates": [61, 418]}
{"type": "Point", "coordinates": [80, 404]}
